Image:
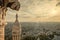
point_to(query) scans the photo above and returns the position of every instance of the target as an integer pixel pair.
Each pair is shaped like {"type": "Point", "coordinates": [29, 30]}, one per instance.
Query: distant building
{"type": "Point", "coordinates": [16, 30]}
{"type": "Point", "coordinates": [13, 31]}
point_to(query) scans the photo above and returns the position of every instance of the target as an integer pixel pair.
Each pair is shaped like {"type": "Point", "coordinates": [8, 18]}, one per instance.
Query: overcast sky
{"type": "Point", "coordinates": [36, 11]}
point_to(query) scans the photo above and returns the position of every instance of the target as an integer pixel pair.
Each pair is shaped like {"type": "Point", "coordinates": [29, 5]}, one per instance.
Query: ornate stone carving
{"type": "Point", "coordinates": [15, 5]}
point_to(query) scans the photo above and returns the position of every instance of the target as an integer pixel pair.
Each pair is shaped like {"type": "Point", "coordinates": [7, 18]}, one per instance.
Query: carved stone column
{"type": "Point", "coordinates": [2, 22]}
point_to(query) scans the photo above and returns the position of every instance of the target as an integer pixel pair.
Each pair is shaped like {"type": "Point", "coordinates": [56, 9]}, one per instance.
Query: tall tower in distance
{"type": "Point", "coordinates": [16, 30]}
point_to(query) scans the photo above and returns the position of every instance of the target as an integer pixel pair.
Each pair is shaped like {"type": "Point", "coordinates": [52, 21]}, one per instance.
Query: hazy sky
{"type": "Point", "coordinates": [36, 11]}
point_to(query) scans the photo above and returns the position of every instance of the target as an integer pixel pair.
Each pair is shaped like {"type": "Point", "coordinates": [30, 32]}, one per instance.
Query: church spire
{"type": "Point", "coordinates": [16, 29]}
{"type": "Point", "coordinates": [16, 17]}
{"type": "Point", "coordinates": [16, 20]}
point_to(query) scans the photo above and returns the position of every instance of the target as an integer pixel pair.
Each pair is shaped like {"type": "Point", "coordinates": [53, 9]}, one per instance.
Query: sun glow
{"type": "Point", "coordinates": [52, 13]}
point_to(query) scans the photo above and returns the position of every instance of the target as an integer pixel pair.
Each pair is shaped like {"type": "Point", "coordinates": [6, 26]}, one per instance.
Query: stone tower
{"type": "Point", "coordinates": [16, 30]}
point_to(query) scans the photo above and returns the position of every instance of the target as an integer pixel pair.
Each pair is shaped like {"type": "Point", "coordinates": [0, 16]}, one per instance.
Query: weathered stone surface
{"type": "Point", "coordinates": [13, 4]}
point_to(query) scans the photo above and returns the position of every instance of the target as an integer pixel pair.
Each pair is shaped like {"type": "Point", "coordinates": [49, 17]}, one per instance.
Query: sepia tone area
{"type": "Point", "coordinates": [29, 20]}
